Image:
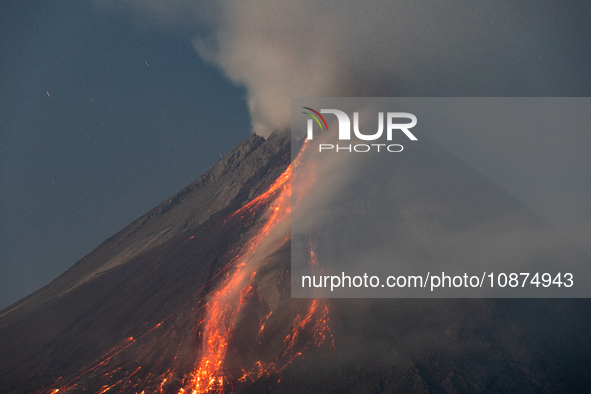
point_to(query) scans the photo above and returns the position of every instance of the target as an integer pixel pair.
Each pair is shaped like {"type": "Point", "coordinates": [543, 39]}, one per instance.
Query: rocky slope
{"type": "Point", "coordinates": [150, 281]}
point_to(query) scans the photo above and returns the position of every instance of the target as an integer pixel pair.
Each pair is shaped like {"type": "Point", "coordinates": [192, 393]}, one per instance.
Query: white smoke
{"type": "Point", "coordinates": [302, 48]}
{"type": "Point", "coordinates": [305, 48]}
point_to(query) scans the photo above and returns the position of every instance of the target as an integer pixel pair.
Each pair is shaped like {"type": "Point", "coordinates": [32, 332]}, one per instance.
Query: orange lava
{"type": "Point", "coordinates": [219, 315]}
{"type": "Point", "coordinates": [227, 301]}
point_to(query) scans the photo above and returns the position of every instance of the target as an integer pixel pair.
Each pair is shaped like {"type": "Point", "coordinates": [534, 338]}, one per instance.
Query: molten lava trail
{"type": "Point", "coordinates": [226, 302]}
{"type": "Point", "coordinates": [154, 370]}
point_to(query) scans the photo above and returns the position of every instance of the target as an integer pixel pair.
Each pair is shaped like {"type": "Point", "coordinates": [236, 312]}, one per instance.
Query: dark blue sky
{"type": "Point", "coordinates": [99, 122]}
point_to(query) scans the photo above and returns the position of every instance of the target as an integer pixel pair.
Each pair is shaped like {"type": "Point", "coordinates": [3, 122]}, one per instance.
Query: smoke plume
{"type": "Point", "coordinates": [303, 48]}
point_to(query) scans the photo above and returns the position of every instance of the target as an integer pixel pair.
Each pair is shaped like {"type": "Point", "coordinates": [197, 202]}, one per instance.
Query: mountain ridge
{"type": "Point", "coordinates": [220, 169]}
{"type": "Point", "coordinates": [387, 345]}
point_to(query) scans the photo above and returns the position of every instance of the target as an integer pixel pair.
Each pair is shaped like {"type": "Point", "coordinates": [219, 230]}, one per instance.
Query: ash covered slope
{"type": "Point", "coordinates": [234, 179]}
{"type": "Point", "coordinates": [135, 277]}
{"type": "Point", "coordinates": [379, 345]}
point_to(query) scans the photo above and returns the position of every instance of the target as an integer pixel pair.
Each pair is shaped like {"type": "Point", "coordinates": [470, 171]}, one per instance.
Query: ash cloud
{"type": "Point", "coordinates": [315, 49]}
{"type": "Point", "coordinates": [279, 50]}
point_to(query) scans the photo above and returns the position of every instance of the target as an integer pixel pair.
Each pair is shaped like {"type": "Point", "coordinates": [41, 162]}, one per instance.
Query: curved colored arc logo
{"type": "Point", "coordinates": [315, 118]}
{"type": "Point", "coordinates": [317, 113]}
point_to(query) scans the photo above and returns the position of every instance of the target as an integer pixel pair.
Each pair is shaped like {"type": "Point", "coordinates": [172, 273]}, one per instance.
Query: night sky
{"type": "Point", "coordinates": [100, 120]}
{"type": "Point", "coordinates": [107, 108]}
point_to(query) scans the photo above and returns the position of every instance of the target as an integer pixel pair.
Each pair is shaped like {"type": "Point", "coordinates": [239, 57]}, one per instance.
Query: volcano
{"type": "Point", "coordinates": [172, 303]}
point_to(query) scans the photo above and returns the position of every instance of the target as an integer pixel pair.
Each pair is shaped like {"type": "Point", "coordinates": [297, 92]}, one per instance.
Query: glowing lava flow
{"type": "Point", "coordinates": [226, 302]}
{"type": "Point", "coordinates": [149, 366]}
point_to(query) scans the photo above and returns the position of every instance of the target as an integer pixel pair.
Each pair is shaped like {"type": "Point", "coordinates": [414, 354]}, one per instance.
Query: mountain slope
{"type": "Point", "coordinates": [133, 315]}
{"type": "Point", "coordinates": [129, 269]}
